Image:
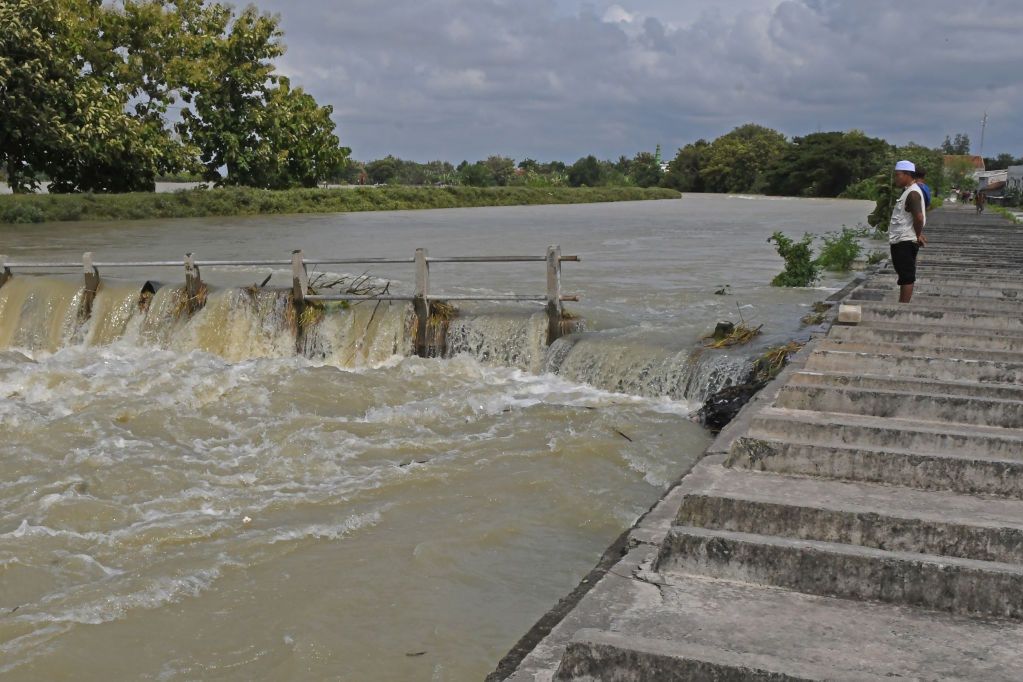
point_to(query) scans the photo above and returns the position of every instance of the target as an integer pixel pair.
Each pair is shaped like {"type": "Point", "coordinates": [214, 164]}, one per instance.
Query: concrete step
{"type": "Point", "coordinates": [947, 301]}
{"type": "Point", "coordinates": [868, 515]}
{"type": "Point", "coordinates": [960, 586]}
{"type": "Point", "coordinates": [928, 407]}
{"type": "Point", "coordinates": [976, 289]}
{"type": "Point", "coordinates": [838, 343]}
{"type": "Point", "coordinates": [929, 337]}
{"type": "Point", "coordinates": [594, 655]}
{"type": "Point", "coordinates": [962, 472]}
{"type": "Point", "coordinates": [914, 313]}
{"type": "Point", "coordinates": [938, 365]}
{"type": "Point", "coordinates": [714, 630]}
{"type": "Point", "coordinates": [906, 384]}
{"type": "Point", "coordinates": [906, 435]}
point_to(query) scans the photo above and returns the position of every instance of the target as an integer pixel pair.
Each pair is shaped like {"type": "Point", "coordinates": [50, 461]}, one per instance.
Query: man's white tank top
{"type": "Point", "coordinates": [900, 229]}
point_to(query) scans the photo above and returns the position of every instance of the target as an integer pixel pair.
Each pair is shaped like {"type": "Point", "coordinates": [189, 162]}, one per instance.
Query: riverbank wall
{"type": "Point", "coordinates": [862, 518]}
{"type": "Point", "coordinates": [231, 201]}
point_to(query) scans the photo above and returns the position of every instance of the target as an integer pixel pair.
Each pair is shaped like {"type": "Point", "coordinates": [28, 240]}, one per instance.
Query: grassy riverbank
{"type": "Point", "coordinates": [39, 208]}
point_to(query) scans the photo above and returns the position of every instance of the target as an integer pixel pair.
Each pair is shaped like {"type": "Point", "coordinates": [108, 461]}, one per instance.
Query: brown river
{"type": "Point", "coordinates": [190, 498]}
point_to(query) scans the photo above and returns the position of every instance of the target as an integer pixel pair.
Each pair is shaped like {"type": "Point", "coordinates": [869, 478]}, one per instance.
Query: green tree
{"type": "Point", "coordinates": [684, 170]}
{"type": "Point", "coordinates": [825, 164]}
{"type": "Point", "coordinates": [245, 119]}
{"type": "Point", "coordinates": [958, 147]}
{"type": "Point", "coordinates": [736, 162]}
{"type": "Point", "coordinates": [476, 175]}
{"type": "Point", "coordinates": [383, 171]}
{"type": "Point", "coordinates": [959, 173]}
{"type": "Point", "coordinates": [37, 87]}
{"type": "Point", "coordinates": [1001, 162]}
{"type": "Point", "coordinates": [586, 172]}
{"type": "Point", "coordinates": [231, 82]}
{"type": "Point", "coordinates": [645, 171]}
{"type": "Point", "coordinates": [502, 169]}
{"type": "Point", "coordinates": [85, 89]}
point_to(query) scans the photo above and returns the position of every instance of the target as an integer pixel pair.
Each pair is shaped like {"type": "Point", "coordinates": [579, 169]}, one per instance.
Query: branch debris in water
{"type": "Point", "coordinates": [735, 335]}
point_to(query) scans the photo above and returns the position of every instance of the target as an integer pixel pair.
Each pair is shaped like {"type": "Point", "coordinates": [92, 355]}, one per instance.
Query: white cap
{"type": "Point", "coordinates": [907, 166]}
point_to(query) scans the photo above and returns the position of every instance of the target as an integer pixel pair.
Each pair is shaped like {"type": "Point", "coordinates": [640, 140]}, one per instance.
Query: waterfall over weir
{"type": "Point", "coordinates": [43, 315]}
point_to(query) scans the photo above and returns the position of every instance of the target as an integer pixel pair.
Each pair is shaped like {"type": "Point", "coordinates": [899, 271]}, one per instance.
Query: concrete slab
{"type": "Point", "coordinates": [739, 627]}
{"type": "Point", "coordinates": [962, 472]}
{"type": "Point", "coordinates": [961, 586]}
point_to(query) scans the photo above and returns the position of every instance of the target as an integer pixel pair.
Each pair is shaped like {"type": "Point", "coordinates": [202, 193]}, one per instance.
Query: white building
{"type": "Point", "coordinates": [986, 178]}
{"type": "Point", "coordinates": [1014, 179]}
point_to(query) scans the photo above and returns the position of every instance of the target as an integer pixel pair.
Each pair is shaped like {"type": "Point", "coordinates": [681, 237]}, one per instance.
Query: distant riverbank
{"type": "Point", "coordinates": [40, 208]}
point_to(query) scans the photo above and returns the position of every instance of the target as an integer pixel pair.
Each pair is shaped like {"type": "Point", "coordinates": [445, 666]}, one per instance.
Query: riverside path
{"type": "Point", "coordinates": [863, 517]}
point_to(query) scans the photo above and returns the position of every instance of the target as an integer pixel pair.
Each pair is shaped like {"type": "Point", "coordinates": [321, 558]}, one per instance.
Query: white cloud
{"type": "Point", "coordinates": [616, 15]}
{"type": "Point", "coordinates": [545, 78]}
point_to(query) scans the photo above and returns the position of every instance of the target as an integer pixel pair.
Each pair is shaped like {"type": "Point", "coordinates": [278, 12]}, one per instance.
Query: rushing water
{"type": "Point", "coordinates": [189, 498]}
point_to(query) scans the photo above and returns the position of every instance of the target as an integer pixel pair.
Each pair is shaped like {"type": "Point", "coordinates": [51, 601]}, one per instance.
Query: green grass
{"type": "Point", "coordinates": [1005, 213]}
{"type": "Point", "coordinates": [40, 208]}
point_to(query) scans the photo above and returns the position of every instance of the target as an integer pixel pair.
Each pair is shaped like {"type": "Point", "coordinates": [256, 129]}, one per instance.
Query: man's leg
{"type": "Point", "coordinates": [905, 293]}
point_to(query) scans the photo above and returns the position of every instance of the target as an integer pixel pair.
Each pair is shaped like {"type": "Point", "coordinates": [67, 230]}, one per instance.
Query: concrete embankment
{"type": "Point", "coordinates": [861, 519]}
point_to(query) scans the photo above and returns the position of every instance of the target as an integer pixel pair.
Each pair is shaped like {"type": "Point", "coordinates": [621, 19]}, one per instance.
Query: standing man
{"type": "Point", "coordinates": [920, 176]}
{"type": "Point", "coordinates": [979, 200]}
{"type": "Point", "coordinates": [906, 228]}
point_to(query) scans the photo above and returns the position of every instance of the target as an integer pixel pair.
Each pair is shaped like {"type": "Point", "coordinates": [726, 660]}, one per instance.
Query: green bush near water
{"type": "Point", "coordinates": [800, 268]}
{"type": "Point", "coordinates": [230, 201]}
{"type": "Point", "coordinates": [840, 250]}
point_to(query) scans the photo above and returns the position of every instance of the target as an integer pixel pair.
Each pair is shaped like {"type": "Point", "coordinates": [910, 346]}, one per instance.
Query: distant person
{"type": "Point", "coordinates": [979, 200]}
{"type": "Point", "coordinates": [919, 176]}
{"type": "Point", "coordinates": [906, 228]}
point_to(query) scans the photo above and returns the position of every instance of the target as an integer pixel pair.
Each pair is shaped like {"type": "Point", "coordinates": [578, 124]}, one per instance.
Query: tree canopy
{"type": "Point", "coordinates": [90, 93]}
{"type": "Point", "coordinates": [736, 161]}
{"type": "Point", "coordinates": [825, 164]}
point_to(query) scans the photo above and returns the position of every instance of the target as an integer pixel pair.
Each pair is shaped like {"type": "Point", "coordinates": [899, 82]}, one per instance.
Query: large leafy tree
{"type": "Point", "coordinates": [83, 94]}
{"type": "Point", "coordinates": [586, 172]}
{"type": "Point", "coordinates": [88, 93]}
{"type": "Point", "coordinates": [39, 70]}
{"type": "Point", "coordinates": [684, 170]}
{"type": "Point", "coordinates": [736, 162]}
{"type": "Point", "coordinates": [644, 170]}
{"type": "Point", "coordinates": [825, 164]}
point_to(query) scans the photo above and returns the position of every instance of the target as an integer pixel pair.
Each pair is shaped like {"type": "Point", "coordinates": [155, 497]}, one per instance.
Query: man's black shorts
{"type": "Point", "coordinates": [904, 261]}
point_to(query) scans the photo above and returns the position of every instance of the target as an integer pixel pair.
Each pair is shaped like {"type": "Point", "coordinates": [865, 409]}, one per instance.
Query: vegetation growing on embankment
{"type": "Point", "coordinates": [38, 208]}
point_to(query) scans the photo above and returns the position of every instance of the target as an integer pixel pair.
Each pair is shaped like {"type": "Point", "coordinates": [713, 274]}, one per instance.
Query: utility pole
{"type": "Point", "coordinates": [983, 129]}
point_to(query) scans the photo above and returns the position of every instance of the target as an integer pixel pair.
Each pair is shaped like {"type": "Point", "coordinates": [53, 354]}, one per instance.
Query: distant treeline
{"type": "Point", "coordinates": [229, 201]}
{"type": "Point", "coordinates": [750, 159]}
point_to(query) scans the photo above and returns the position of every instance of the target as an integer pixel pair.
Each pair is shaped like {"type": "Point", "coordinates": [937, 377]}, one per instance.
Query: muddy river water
{"type": "Point", "coordinates": [192, 499]}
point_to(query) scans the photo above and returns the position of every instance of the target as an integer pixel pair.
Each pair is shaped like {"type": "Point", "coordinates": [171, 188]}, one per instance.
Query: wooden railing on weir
{"type": "Point", "coordinates": [421, 296]}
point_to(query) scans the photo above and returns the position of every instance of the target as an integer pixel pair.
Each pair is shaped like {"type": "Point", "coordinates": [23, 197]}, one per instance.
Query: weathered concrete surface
{"type": "Point", "coordinates": [862, 518]}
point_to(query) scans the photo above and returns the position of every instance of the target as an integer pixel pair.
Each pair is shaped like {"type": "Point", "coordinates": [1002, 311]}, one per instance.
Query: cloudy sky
{"type": "Point", "coordinates": [558, 79]}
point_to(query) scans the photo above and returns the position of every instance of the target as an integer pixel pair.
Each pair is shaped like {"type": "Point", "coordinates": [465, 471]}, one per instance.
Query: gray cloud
{"type": "Point", "coordinates": [556, 79]}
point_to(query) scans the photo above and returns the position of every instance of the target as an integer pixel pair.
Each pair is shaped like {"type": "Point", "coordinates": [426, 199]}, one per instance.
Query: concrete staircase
{"type": "Point", "coordinates": [862, 519]}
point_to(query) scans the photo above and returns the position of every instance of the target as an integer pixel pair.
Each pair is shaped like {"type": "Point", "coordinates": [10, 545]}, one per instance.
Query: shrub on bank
{"type": "Point", "coordinates": [800, 268]}
{"type": "Point", "coordinates": [840, 250]}
{"type": "Point", "coordinates": [38, 208]}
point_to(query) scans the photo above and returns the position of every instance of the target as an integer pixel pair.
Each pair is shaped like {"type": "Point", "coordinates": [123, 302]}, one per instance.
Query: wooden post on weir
{"type": "Point", "coordinates": [554, 307]}
{"type": "Point", "coordinates": [299, 290]}
{"type": "Point", "coordinates": [193, 284]}
{"type": "Point", "coordinates": [5, 274]}
{"type": "Point", "coordinates": [421, 302]}
{"type": "Point", "coordinates": [91, 285]}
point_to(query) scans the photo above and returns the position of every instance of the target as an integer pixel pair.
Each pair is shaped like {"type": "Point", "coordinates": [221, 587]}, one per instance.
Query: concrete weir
{"type": "Point", "coordinates": [861, 519]}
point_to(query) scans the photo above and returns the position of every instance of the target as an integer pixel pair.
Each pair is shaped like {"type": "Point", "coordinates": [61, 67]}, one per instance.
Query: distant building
{"type": "Point", "coordinates": [990, 181]}
{"type": "Point", "coordinates": [1014, 179]}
